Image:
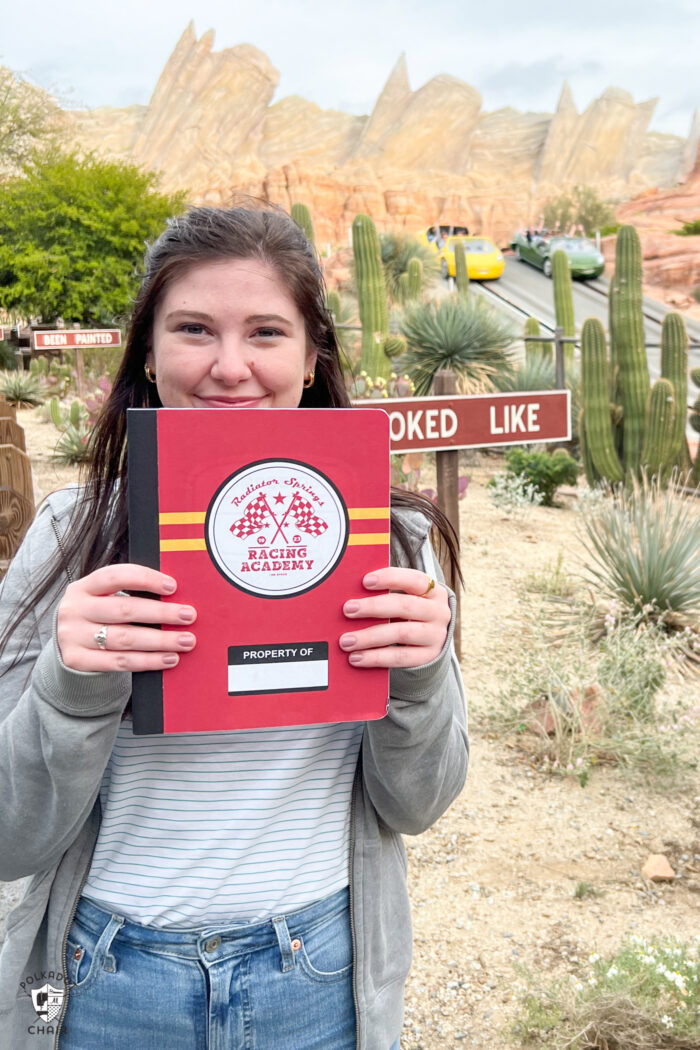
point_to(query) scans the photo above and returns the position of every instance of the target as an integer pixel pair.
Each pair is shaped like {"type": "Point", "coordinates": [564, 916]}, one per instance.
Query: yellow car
{"type": "Point", "coordinates": [484, 261]}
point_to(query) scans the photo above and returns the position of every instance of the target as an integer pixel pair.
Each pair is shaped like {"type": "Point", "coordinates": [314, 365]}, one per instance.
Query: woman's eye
{"type": "Point", "coordinates": [268, 333]}
{"type": "Point", "coordinates": [192, 328]}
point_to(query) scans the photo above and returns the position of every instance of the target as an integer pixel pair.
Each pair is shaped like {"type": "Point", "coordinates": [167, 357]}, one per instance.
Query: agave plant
{"type": "Point", "coordinates": [533, 373]}
{"type": "Point", "coordinates": [644, 558]}
{"type": "Point", "coordinates": [73, 446]}
{"type": "Point", "coordinates": [463, 334]}
{"type": "Point", "coordinates": [397, 251]}
{"type": "Point", "coordinates": [21, 388]}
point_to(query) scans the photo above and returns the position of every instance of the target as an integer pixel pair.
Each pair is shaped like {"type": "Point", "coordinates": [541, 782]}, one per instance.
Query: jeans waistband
{"type": "Point", "coordinates": [220, 939]}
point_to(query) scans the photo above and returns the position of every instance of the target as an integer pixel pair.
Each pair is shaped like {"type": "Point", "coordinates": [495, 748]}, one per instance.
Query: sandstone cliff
{"type": "Point", "coordinates": [422, 155]}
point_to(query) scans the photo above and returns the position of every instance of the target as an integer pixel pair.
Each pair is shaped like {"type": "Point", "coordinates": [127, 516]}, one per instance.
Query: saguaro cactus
{"type": "Point", "coordinates": [461, 270]}
{"type": "Point", "coordinates": [371, 295]}
{"type": "Point", "coordinates": [656, 456]}
{"type": "Point", "coordinates": [596, 402]}
{"type": "Point", "coordinates": [674, 367]}
{"type": "Point", "coordinates": [415, 278]}
{"type": "Point", "coordinates": [302, 217]}
{"type": "Point", "coordinates": [563, 294]}
{"type": "Point", "coordinates": [695, 424]}
{"type": "Point", "coordinates": [540, 351]}
{"type": "Point", "coordinates": [628, 336]}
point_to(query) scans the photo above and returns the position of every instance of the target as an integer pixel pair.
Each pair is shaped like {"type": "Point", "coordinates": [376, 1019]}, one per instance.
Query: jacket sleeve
{"type": "Point", "coordinates": [415, 760]}
{"type": "Point", "coordinates": [57, 726]}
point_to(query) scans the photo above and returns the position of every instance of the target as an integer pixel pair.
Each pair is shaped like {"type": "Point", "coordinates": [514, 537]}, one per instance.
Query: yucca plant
{"type": "Point", "coordinates": [73, 445]}
{"type": "Point", "coordinates": [644, 559]}
{"type": "Point", "coordinates": [21, 389]}
{"type": "Point", "coordinates": [397, 250]}
{"type": "Point", "coordinates": [532, 373]}
{"type": "Point", "coordinates": [463, 334]}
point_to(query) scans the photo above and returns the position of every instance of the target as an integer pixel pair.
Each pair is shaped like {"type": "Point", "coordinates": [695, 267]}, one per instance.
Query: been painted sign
{"type": "Point", "coordinates": [72, 338]}
{"type": "Point", "coordinates": [434, 424]}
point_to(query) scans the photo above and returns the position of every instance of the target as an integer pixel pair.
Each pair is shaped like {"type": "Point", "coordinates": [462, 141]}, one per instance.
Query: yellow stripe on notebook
{"type": "Point", "coordinates": [368, 512]}
{"type": "Point", "coordinates": [366, 539]}
{"type": "Point", "coordinates": [191, 517]}
{"type": "Point", "coordinates": [183, 545]}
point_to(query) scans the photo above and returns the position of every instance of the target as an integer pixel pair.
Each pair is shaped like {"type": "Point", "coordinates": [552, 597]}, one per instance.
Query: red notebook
{"type": "Point", "coordinates": [268, 519]}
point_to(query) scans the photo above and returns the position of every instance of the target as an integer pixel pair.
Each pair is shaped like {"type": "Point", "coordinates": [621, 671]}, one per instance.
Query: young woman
{"type": "Point", "coordinates": [223, 890]}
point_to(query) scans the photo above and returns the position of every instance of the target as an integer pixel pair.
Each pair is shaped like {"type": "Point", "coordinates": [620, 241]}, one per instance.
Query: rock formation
{"type": "Point", "coordinates": [421, 156]}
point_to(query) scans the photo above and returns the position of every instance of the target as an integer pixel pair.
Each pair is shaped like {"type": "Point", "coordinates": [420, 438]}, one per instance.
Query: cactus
{"type": "Point", "coordinates": [674, 367]}
{"type": "Point", "coordinates": [333, 303]}
{"type": "Point", "coordinates": [596, 402]}
{"type": "Point", "coordinates": [394, 346]}
{"type": "Point", "coordinates": [461, 271]}
{"type": "Point", "coordinates": [403, 287]}
{"type": "Point", "coordinates": [541, 351]}
{"type": "Point", "coordinates": [592, 475]}
{"type": "Point", "coordinates": [628, 335]}
{"type": "Point", "coordinates": [564, 302]}
{"type": "Point", "coordinates": [695, 424]}
{"type": "Point", "coordinates": [302, 217]}
{"type": "Point", "coordinates": [55, 413]}
{"type": "Point", "coordinates": [414, 278]}
{"type": "Point", "coordinates": [656, 456]}
{"type": "Point", "coordinates": [371, 295]}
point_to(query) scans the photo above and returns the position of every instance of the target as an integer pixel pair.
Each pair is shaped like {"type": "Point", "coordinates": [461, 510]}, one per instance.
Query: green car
{"type": "Point", "coordinates": [584, 258]}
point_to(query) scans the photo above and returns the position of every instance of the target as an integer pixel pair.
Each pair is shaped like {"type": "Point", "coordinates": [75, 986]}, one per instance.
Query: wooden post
{"type": "Point", "coordinates": [447, 467]}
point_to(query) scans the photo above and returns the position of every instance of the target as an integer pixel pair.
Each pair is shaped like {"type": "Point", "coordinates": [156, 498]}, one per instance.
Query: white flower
{"type": "Point", "coordinates": [593, 958]}
{"type": "Point", "coordinates": [612, 972]}
{"type": "Point", "coordinates": [593, 981]}
{"type": "Point", "coordinates": [666, 1021]}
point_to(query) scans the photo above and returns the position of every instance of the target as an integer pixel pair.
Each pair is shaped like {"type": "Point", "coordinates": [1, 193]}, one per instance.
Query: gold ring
{"type": "Point", "coordinates": [428, 588]}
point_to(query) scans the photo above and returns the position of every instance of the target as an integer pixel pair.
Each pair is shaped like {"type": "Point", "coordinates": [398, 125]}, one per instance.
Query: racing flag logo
{"type": "Point", "coordinates": [276, 528]}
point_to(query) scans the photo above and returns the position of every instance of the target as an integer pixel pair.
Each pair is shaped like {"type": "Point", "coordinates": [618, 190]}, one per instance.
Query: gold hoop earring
{"type": "Point", "coordinates": [150, 376]}
{"type": "Point", "coordinates": [309, 379]}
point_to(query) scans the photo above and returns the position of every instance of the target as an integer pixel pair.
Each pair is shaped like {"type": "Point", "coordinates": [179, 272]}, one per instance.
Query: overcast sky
{"type": "Point", "coordinates": [339, 53]}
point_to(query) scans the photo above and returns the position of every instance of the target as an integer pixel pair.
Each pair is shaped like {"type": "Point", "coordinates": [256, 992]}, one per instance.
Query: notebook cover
{"type": "Point", "coordinates": [268, 519]}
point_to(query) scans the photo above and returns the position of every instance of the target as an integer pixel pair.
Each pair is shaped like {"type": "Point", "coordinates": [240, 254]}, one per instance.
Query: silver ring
{"type": "Point", "coordinates": [101, 637]}
{"type": "Point", "coordinates": [121, 594]}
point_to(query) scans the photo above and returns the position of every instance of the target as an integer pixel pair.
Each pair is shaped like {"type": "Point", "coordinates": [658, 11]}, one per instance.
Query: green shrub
{"type": "Point", "coordinates": [688, 229]}
{"type": "Point", "coordinates": [644, 996]}
{"type": "Point", "coordinates": [8, 358]}
{"type": "Point", "coordinates": [546, 471]}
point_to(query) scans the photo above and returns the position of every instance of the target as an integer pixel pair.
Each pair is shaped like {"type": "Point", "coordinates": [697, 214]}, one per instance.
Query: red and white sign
{"type": "Point", "coordinates": [435, 424]}
{"type": "Point", "coordinates": [72, 338]}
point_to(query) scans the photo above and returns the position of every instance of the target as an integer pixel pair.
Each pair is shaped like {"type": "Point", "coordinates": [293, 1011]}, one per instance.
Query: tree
{"type": "Point", "coordinates": [28, 117]}
{"type": "Point", "coordinates": [583, 207]}
{"type": "Point", "coordinates": [72, 237]}
{"type": "Point", "coordinates": [463, 334]}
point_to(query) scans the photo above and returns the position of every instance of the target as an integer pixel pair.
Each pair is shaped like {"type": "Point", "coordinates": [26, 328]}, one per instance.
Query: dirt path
{"type": "Point", "coordinates": [493, 882]}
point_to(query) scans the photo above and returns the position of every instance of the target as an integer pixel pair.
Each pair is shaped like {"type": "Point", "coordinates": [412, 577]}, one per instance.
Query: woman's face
{"type": "Point", "coordinates": [227, 334]}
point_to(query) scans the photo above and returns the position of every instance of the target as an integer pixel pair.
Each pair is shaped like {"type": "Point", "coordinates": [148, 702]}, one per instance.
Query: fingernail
{"type": "Point", "coordinates": [170, 659]}
{"type": "Point", "coordinates": [370, 581]}
{"type": "Point", "coordinates": [186, 641]}
{"type": "Point", "coordinates": [186, 615]}
{"type": "Point", "coordinates": [169, 586]}
{"type": "Point", "coordinates": [351, 607]}
{"type": "Point", "coordinates": [355, 658]}
{"type": "Point", "coordinates": [347, 641]}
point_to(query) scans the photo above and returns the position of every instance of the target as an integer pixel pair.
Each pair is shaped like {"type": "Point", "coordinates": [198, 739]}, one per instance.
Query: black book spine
{"type": "Point", "coordinates": [144, 548]}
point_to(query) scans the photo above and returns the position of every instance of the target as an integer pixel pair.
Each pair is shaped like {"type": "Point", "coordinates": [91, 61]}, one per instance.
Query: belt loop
{"type": "Point", "coordinates": [285, 943]}
{"type": "Point", "coordinates": [113, 928]}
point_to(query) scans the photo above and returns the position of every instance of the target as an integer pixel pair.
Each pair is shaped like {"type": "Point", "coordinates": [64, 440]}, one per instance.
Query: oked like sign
{"type": "Point", "coordinates": [435, 424]}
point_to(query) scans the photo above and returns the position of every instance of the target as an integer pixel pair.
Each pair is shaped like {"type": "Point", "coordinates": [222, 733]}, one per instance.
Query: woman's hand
{"type": "Point", "coordinates": [419, 620]}
{"type": "Point", "coordinates": [98, 601]}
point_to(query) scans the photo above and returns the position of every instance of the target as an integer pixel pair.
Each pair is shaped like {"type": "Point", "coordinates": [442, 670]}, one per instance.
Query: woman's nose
{"type": "Point", "coordinates": [232, 362]}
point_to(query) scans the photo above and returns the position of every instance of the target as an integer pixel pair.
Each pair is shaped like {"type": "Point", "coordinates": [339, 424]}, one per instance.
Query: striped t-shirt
{"type": "Point", "coordinates": [216, 828]}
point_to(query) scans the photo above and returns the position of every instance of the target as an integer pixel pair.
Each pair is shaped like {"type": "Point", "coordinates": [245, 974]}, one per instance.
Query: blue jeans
{"type": "Point", "coordinates": [284, 984]}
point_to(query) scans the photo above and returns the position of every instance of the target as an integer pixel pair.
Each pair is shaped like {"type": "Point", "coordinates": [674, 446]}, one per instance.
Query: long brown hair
{"type": "Point", "coordinates": [98, 530]}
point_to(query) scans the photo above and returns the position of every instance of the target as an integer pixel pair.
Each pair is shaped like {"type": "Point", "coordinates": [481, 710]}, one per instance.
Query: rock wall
{"type": "Point", "coordinates": [421, 156]}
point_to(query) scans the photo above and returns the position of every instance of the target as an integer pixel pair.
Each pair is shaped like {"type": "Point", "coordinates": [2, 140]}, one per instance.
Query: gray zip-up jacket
{"type": "Point", "coordinates": [57, 730]}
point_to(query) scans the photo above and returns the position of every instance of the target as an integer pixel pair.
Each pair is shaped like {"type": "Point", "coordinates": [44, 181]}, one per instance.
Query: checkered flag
{"type": "Point", "coordinates": [306, 520]}
{"type": "Point", "coordinates": [256, 517]}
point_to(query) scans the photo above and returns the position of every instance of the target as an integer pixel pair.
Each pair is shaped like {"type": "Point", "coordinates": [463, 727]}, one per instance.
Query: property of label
{"type": "Point", "coordinates": [290, 667]}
